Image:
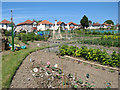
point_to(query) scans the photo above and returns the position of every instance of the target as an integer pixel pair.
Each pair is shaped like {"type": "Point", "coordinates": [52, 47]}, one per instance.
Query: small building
{"type": "Point", "coordinates": [72, 26]}
{"type": "Point", "coordinates": [44, 25]}
{"type": "Point", "coordinates": [5, 24]}
{"type": "Point", "coordinates": [104, 25]}
{"type": "Point", "coordinates": [59, 24]}
{"type": "Point", "coordinates": [28, 26]}
{"type": "Point", "coordinates": [94, 26]}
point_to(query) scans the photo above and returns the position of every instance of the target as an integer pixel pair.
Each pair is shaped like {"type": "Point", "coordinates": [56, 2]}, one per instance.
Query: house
{"type": "Point", "coordinates": [59, 24]}
{"type": "Point", "coordinates": [5, 24]}
{"type": "Point", "coordinates": [94, 26]}
{"type": "Point", "coordinates": [104, 25]}
{"type": "Point", "coordinates": [28, 26]}
{"type": "Point", "coordinates": [72, 26]}
{"type": "Point", "coordinates": [44, 25]}
{"type": "Point", "coordinates": [117, 26]}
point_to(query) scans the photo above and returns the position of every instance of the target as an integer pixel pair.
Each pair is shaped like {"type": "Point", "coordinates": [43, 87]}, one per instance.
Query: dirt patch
{"type": "Point", "coordinates": [24, 78]}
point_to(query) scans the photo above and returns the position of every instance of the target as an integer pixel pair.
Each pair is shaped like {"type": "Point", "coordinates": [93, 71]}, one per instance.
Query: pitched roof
{"type": "Point", "coordinates": [5, 22]}
{"type": "Point", "coordinates": [72, 23]}
{"type": "Point", "coordinates": [26, 22]}
{"type": "Point", "coordinates": [60, 22]}
{"type": "Point", "coordinates": [106, 24]}
{"type": "Point", "coordinates": [45, 22]}
{"type": "Point", "coordinates": [34, 28]}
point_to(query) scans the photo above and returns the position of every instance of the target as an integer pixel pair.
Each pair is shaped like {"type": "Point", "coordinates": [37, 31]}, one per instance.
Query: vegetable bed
{"type": "Point", "coordinates": [95, 55]}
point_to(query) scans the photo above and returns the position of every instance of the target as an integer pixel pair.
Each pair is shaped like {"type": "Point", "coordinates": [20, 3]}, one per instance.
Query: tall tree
{"type": "Point", "coordinates": [84, 22]}
{"type": "Point", "coordinates": [109, 22]}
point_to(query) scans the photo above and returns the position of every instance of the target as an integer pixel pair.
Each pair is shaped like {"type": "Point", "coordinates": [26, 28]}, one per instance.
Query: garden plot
{"type": "Point", "coordinates": [26, 78]}
{"type": "Point", "coordinates": [53, 77]}
{"type": "Point", "coordinates": [109, 50]}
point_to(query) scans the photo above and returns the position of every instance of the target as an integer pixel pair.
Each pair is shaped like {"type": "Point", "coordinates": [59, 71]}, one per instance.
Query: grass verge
{"type": "Point", "coordinates": [12, 61]}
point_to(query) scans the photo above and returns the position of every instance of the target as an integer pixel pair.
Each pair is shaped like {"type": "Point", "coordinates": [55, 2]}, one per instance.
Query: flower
{"type": "Point", "coordinates": [56, 65]}
{"type": "Point", "coordinates": [35, 70]}
{"type": "Point", "coordinates": [48, 63]}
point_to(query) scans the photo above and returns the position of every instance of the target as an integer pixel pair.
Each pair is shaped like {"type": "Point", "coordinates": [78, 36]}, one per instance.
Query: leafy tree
{"type": "Point", "coordinates": [84, 22]}
{"type": "Point", "coordinates": [90, 21]}
{"type": "Point", "coordinates": [109, 22]}
{"type": "Point", "coordinates": [38, 21]}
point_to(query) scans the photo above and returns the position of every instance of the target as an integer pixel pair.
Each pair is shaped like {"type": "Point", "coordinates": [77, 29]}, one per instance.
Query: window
{"type": "Point", "coordinates": [2, 25]}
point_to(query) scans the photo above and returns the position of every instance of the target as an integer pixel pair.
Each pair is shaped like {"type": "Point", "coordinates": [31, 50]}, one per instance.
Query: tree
{"type": "Point", "coordinates": [109, 22]}
{"type": "Point", "coordinates": [84, 22]}
{"type": "Point", "coordinates": [90, 21]}
{"type": "Point", "coordinates": [38, 21]}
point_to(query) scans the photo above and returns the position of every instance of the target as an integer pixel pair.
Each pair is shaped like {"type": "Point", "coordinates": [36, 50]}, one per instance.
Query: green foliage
{"type": "Point", "coordinates": [23, 31]}
{"type": "Point", "coordinates": [7, 33]}
{"type": "Point", "coordinates": [109, 22]}
{"type": "Point", "coordinates": [63, 50]}
{"type": "Point", "coordinates": [104, 42]}
{"type": "Point", "coordinates": [71, 50]}
{"type": "Point", "coordinates": [92, 54]}
{"type": "Point", "coordinates": [84, 22]}
{"type": "Point", "coordinates": [30, 37]}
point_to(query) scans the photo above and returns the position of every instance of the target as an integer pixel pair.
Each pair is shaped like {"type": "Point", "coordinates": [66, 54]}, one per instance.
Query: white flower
{"type": "Point", "coordinates": [35, 70]}
{"type": "Point", "coordinates": [33, 74]}
{"type": "Point", "coordinates": [56, 65]}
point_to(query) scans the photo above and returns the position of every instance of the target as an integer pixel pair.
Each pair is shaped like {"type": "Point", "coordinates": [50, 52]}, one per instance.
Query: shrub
{"type": "Point", "coordinates": [92, 54]}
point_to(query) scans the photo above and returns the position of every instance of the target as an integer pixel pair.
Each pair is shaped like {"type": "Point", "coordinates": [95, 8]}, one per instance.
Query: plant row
{"type": "Point", "coordinates": [103, 42]}
{"type": "Point", "coordinates": [110, 37]}
{"type": "Point", "coordinates": [96, 55]}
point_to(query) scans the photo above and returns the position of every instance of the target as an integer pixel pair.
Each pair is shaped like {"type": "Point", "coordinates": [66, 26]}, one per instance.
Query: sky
{"type": "Point", "coordinates": [60, 11]}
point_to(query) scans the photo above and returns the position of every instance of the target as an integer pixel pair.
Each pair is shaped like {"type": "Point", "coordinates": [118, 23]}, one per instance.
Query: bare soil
{"type": "Point", "coordinates": [24, 79]}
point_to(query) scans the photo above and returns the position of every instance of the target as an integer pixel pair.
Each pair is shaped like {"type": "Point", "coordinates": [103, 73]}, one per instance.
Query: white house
{"type": "Point", "coordinates": [28, 26]}
{"type": "Point", "coordinates": [94, 26]}
{"type": "Point", "coordinates": [59, 24]}
{"type": "Point", "coordinates": [5, 24]}
{"type": "Point", "coordinates": [104, 25]}
{"type": "Point", "coordinates": [72, 26]}
{"type": "Point", "coordinates": [44, 25]}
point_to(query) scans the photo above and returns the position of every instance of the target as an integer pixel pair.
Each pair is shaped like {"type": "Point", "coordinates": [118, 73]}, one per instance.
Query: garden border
{"type": "Point", "coordinates": [76, 59]}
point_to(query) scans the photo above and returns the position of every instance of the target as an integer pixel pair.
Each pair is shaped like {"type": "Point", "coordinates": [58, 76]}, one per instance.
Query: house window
{"type": "Point", "coordinates": [2, 25]}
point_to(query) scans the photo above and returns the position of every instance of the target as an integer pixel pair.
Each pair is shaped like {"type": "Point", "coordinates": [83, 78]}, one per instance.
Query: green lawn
{"type": "Point", "coordinates": [12, 61]}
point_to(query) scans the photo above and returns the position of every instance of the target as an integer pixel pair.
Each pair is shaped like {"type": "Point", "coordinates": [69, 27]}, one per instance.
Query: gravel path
{"type": "Point", "coordinates": [23, 77]}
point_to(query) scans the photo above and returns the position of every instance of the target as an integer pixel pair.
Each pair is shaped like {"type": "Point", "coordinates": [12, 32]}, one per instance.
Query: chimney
{"type": "Point", "coordinates": [55, 22]}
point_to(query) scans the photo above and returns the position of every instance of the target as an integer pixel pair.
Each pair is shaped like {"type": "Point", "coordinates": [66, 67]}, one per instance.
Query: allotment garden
{"type": "Point", "coordinates": [79, 59]}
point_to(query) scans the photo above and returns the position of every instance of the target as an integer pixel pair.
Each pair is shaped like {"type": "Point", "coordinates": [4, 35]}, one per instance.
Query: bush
{"type": "Point", "coordinates": [30, 37]}
{"type": "Point", "coordinates": [7, 33]}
